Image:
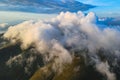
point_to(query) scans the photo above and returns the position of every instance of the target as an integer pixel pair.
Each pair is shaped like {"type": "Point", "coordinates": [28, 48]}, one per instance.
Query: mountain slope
{"type": "Point", "coordinates": [77, 70]}
{"type": "Point", "coordinates": [68, 47]}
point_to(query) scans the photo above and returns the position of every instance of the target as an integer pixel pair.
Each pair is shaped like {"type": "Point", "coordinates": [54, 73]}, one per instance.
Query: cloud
{"type": "Point", "coordinates": [3, 25]}
{"type": "Point", "coordinates": [65, 33]}
{"type": "Point", "coordinates": [39, 6]}
{"type": "Point", "coordinates": [104, 69]}
{"type": "Point", "coordinates": [64, 1]}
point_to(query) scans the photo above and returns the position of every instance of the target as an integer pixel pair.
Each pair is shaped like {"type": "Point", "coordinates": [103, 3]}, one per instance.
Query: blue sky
{"type": "Point", "coordinates": [102, 2]}
{"type": "Point", "coordinates": [109, 8]}
{"type": "Point", "coordinates": [105, 8]}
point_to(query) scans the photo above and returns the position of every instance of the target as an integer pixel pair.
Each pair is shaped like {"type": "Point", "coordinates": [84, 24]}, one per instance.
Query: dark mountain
{"type": "Point", "coordinates": [14, 62]}
{"type": "Point", "coordinates": [17, 64]}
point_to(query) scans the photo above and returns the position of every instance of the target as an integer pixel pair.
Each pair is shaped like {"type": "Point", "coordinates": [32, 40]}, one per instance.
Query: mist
{"type": "Point", "coordinates": [62, 36]}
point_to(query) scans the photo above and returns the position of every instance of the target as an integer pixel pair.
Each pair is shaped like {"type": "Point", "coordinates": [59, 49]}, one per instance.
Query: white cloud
{"type": "Point", "coordinates": [104, 69]}
{"type": "Point", "coordinates": [73, 30]}
{"type": "Point", "coordinates": [3, 25]}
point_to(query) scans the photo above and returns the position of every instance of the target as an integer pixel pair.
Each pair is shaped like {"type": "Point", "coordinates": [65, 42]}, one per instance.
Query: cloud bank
{"type": "Point", "coordinates": [67, 33]}
{"type": "Point", "coordinates": [43, 6]}
{"type": "Point", "coordinates": [3, 27]}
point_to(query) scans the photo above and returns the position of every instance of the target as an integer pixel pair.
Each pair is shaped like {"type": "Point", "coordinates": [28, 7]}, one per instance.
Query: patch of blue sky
{"type": "Point", "coordinates": [105, 8]}
{"type": "Point", "coordinates": [106, 11]}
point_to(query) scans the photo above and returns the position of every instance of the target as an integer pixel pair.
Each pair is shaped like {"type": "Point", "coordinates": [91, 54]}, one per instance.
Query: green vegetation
{"type": "Point", "coordinates": [71, 71]}
{"type": "Point", "coordinates": [77, 70]}
{"type": "Point", "coordinates": [46, 73]}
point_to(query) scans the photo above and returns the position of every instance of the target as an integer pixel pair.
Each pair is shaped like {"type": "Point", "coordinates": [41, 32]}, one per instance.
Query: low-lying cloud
{"type": "Point", "coordinates": [3, 25]}
{"type": "Point", "coordinates": [67, 31]}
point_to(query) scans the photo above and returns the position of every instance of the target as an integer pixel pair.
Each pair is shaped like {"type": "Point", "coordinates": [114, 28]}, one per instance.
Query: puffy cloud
{"type": "Point", "coordinates": [67, 31]}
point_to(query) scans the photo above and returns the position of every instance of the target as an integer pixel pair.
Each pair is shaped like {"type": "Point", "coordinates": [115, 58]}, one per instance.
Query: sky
{"type": "Point", "coordinates": [14, 17]}
{"type": "Point", "coordinates": [109, 8]}
{"type": "Point", "coordinates": [102, 2]}
{"type": "Point", "coordinates": [20, 10]}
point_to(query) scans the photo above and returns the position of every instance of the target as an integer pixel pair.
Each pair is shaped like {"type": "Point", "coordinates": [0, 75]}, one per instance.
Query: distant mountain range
{"type": "Point", "coordinates": [44, 6]}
